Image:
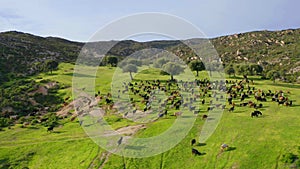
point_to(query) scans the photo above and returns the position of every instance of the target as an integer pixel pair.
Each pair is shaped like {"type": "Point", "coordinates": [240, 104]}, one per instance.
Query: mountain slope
{"type": "Point", "coordinates": [22, 53]}
{"type": "Point", "coordinates": [274, 50]}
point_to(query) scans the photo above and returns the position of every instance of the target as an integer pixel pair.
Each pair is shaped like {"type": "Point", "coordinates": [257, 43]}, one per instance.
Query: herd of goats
{"type": "Point", "coordinates": [189, 95]}
{"type": "Point", "coordinates": [179, 95]}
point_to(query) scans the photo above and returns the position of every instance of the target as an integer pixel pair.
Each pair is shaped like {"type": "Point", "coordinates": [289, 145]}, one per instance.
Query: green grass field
{"type": "Point", "coordinates": [257, 143]}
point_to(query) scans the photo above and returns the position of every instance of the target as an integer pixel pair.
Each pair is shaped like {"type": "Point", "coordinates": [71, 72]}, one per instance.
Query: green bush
{"type": "Point", "coordinates": [288, 158]}
{"type": "Point", "coordinates": [21, 120]}
{"type": "Point", "coordinates": [298, 163]}
{"type": "Point", "coordinates": [263, 78]}
{"type": "Point", "coordinates": [52, 120]}
{"type": "Point", "coordinates": [4, 122]}
{"type": "Point", "coordinates": [34, 122]}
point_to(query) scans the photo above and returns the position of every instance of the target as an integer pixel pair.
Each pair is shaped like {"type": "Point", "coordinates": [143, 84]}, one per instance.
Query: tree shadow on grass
{"type": "Point", "coordinates": [33, 127]}
{"type": "Point", "coordinates": [78, 75]}
{"type": "Point", "coordinates": [51, 74]}
{"type": "Point", "coordinates": [57, 132]}
{"type": "Point", "coordinates": [285, 85]}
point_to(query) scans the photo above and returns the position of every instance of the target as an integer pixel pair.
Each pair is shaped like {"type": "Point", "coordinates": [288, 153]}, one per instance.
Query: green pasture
{"type": "Point", "coordinates": [256, 143]}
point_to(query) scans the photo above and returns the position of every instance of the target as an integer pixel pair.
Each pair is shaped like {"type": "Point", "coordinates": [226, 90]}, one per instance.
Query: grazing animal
{"type": "Point", "coordinates": [259, 98]}
{"type": "Point", "coordinates": [195, 152]}
{"type": "Point", "coordinates": [218, 105]}
{"type": "Point", "coordinates": [280, 102]}
{"type": "Point", "coordinates": [161, 115]}
{"type": "Point", "coordinates": [210, 108]}
{"type": "Point", "coordinates": [49, 129]}
{"type": "Point", "coordinates": [192, 108]}
{"type": "Point", "coordinates": [193, 142]}
{"type": "Point", "coordinates": [108, 101]}
{"type": "Point", "coordinates": [229, 100]}
{"type": "Point", "coordinates": [125, 114]}
{"type": "Point", "coordinates": [120, 141]}
{"type": "Point", "coordinates": [291, 103]}
{"type": "Point", "coordinates": [252, 104]}
{"type": "Point", "coordinates": [224, 146]}
{"type": "Point", "coordinates": [204, 116]}
{"type": "Point", "coordinates": [166, 112]}
{"type": "Point", "coordinates": [177, 114]}
{"type": "Point", "coordinates": [244, 104]}
{"type": "Point", "coordinates": [231, 109]}
{"type": "Point", "coordinates": [256, 113]}
{"type": "Point", "coordinates": [196, 112]}
{"type": "Point", "coordinates": [260, 105]}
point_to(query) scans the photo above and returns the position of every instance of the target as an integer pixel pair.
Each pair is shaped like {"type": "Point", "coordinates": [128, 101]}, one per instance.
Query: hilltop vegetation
{"type": "Point", "coordinates": [274, 51]}
{"type": "Point", "coordinates": [25, 54]}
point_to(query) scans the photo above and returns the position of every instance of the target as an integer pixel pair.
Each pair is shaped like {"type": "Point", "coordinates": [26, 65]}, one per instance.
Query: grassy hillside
{"type": "Point", "coordinates": [25, 54]}
{"type": "Point", "coordinates": [256, 142]}
{"type": "Point", "coordinates": [33, 90]}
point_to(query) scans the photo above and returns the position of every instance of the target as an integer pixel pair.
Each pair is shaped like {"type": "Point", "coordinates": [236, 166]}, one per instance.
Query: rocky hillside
{"type": "Point", "coordinates": [273, 50]}
{"type": "Point", "coordinates": [24, 54]}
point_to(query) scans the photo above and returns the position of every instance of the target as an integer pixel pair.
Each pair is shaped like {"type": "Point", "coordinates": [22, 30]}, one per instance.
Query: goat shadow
{"type": "Point", "coordinates": [134, 147]}
{"type": "Point", "coordinates": [57, 132]}
{"type": "Point", "coordinates": [201, 144]}
{"type": "Point", "coordinates": [201, 154]}
{"type": "Point", "coordinates": [231, 148]}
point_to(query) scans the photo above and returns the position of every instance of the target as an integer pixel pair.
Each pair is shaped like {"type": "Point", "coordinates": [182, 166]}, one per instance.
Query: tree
{"type": "Point", "coordinates": [197, 65]}
{"type": "Point", "coordinates": [243, 69]}
{"type": "Point", "coordinates": [131, 68]}
{"type": "Point", "coordinates": [256, 69]}
{"type": "Point", "coordinates": [230, 70]}
{"type": "Point", "coordinates": [134, 62]}
{"type": "Point", "coordinates": [173, 69]}
{"type": "Point", "coordinates": [51, 65]}
{"type": "Point", "coordinates": [4, 122]}
{"type": "Point", "coordinates": [209, 67]}
{"type": "Point", "coordinates": [112, 60]}
{"type": "Point", "coordinates": [159, 63]}
{"type": "Point", "coordinates": [273, 74]}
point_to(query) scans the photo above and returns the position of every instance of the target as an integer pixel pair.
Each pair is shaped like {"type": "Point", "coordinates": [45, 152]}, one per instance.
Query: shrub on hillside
{"type": "Point", "coordinates": [288, 158]}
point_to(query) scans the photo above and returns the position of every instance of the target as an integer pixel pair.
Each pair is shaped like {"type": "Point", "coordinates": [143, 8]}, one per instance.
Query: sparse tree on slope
{"type": "Point", "coordinates": [197, 65]}
{"type": "Point", "coordinates": [131, 68]}
{"type": "Point", "coordinates": [173, 69]}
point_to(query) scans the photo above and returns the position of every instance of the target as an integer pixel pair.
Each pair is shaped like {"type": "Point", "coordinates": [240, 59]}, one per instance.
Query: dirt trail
{"type": "Point", "coordinates": [84, 105]}
{"type": "Point", "coordinates": [105, 156]}
{"type": "Point", "coordinates": [129, 131]}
